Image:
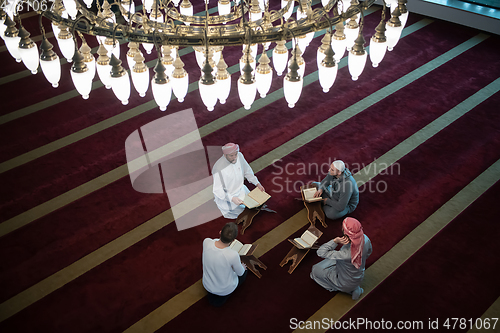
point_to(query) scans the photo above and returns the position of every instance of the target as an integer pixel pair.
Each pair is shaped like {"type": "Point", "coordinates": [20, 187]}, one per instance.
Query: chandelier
{"type": "Point", "coordinates": [168, 25]}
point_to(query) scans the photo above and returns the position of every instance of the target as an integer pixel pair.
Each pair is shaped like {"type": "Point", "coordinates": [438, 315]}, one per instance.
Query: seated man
{"type": "Point", "coordinates": [343, 270]}
{"type": "Point", "coordinates": [223, 271]}
{"type": "Point", "coordinates": [229, 173]}
{"type": "Point", "coordinates": [339, 190]}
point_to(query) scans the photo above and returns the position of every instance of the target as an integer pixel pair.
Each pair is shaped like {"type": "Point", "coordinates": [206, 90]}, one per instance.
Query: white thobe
{"type": "Point", "coordinates": [228, 183]}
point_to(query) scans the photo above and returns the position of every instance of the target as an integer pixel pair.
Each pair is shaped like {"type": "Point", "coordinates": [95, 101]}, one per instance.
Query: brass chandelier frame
{"type": "Point", "coordinates": [214, 30]}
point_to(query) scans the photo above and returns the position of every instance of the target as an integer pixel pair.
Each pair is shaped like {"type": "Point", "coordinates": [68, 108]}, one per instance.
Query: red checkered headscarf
{"type": "Point", "coordinates": [230, 148]}
{"type": "Point", "coordinates": [354, 230]}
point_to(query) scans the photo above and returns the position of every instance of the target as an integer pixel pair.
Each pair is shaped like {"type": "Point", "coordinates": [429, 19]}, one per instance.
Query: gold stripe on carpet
{"type": "Point", "coordinates": [491, 318]}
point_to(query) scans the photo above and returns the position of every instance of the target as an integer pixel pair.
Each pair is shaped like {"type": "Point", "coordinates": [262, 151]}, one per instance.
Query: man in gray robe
{"type": "Point", "coordinates": [344, 269]}
{"type": "Point", "coordinates": [339, 191]}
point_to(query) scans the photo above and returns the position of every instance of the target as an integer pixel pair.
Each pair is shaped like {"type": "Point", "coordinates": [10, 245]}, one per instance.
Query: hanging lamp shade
{"type": "Point", "coordinates": [327, 70]}
{"type": "Point", "coordinates": [156, 15]}
{"type": "Point", "coordinates": [292, 84]}
{"type": "Point", "coordinates": [289, 12]}
{"type": "Point", "coordinates": [267, 25]}
{"type": "Point", "coordinates": [325, 44]}
{"type": "Point", "coordinates": [89, 59]}
{"type": "Point", "coordinates": [393, 29]}
{"type": "Point", "coordinates": [49, 62]}
{"type": "Point", "coordinates": [180, 79]}
{"type": "Point", "coordinates": [247, 87]}
{"type": "Point", "coordinates": [297, 57]}
{"type": "Point", "coordinates": [247, 57]}
{"type": "Point", "coordinates": [262, 4]}
{"type": "Point", "coordinates": [2, 26]}
{"type": "Point", "coordinates": [176, 2]}
{"type": "Point", "coordinates": [120, 82]}
{"type": "Point", "coordinates": [357, 58]}
{"type": "Point", "coordinates": [342, 6]}
{"type": "Point", "coordinates": [207, 86]}
{"type": "Point", "coordinates": [161, 86]}
{"type": "Point", "coordinates": [224, 7]}
{"type": "Point", "coordinates": [70, 6]}
{"type": "Point", "coordinates": [28, 50]}
{"type": "Point", "coordinates": [140, 75]}
{"type": "Point", "coordinates": [186, 9]}
{"type": "Point", "coordinates": [199, 52]}
{"type": "Point", "coordinates": [148, 47]}
{"type": "Point", "coordinates": [263, 75]}
{"type": "Point", "coordinates": [391, 3]}
{"type": "Point", "coordinates": [403, 11]}
{"type": "Point", "coordinates": [223, 81]}
{"type": "Point", "coordinates": [88, 3]}
{"type": "Point", "coordinates": [351, 31]}
{"type": "Point", "coordinates": [81, 80]}
{"type": "Point", "coordinates": [148, 4]}
{"type": "Point", "coordinates": [58, 8]}
{"type": "Point", "coordinates": [217, 52]}
{"type": "Point", "coordinates": [280, 57]}
{"type": "Point", "coordinates": [255, 11]}
{"type": "Point", "coordinates": [352, 6]}
{"type": "Point", "coordinates": [133, 49]}
{"type": "Point", "coordinates": [339, 42]}
{"type": "Point", "coordinates": [106, 11]}
{"type": "Point", "coordinates": [103, 67]}
{"type": "Point", "coordinates": [56, 30]}
{"type": "Point", "coordinates": [301, 42]}
{"type": "Point", "coordinates": [378, 44]}
{"type": "Point", "coordinates": [11, 37]}
{"type": "Point", "coordinates": [129, 6]}
{"type": "Point", "coordinates": [113, 48]}
{"type": "Point", "coordinates": [167, 60]}
{"type": "Point", "coordinates": [253, 52]}
{"type": "Point", "coordinates": [66, 43]}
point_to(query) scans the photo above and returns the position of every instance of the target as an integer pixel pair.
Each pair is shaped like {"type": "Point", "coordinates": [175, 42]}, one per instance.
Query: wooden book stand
{"type": "Point", "coordinates": [250, 260]}
{"type": "Point", "coordinates": [314, 209]}
{"type": "Point", "coordinates": [247, 215]}
{"type": "Point", "coordinates": [296, 254]}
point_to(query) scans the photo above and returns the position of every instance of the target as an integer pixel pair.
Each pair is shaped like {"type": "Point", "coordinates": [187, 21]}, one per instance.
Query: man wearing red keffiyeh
{"type": "Point", "coordinates": [343, 270]}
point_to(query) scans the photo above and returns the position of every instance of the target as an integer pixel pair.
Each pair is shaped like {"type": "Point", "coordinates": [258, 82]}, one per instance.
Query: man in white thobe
{"type": "Point", "coordinates": [229, 173]}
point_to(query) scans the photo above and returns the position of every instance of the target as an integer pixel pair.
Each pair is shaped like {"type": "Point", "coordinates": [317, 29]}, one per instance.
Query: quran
{"type": "Point", "coordinates": [305, 241]}
{"type": "Point", "coordinates": [308, 194]}
{"type": "Point", "coordinates": [240, 248]}
{"type": "Point", "coordinates": [255, 198]}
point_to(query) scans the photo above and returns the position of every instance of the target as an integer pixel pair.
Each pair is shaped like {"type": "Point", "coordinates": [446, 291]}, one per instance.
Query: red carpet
{"type": "Point", "coordinates": [127, 287]}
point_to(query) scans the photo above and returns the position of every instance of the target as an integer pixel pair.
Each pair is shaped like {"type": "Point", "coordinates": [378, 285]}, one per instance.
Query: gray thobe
{"type": "Point", "coordinates": [336, 272]}
{"type": "Point", "coordinates": [342, 194]}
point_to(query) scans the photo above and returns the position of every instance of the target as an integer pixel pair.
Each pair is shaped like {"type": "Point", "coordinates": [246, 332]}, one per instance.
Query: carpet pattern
{"type": "Point", "coordinates": [81, 150]}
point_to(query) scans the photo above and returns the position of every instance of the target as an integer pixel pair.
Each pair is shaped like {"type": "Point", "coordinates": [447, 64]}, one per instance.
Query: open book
{"type": "Point", "coordinates": [305, 241]}
{"type": "Point", "coordinates": [309, 195]}
{"type": "Point", "coordinates": [255, 198]}
{"type": "Point", "coordinates": [240, 248]}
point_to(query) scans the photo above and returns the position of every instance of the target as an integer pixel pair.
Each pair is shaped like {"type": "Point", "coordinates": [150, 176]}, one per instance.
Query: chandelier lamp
{"type": "Point", "coordinates": [169, 25]}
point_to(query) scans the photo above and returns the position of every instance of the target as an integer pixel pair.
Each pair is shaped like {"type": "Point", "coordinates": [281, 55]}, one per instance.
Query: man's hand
{"type": "Point", "coordinates": [237, 200]}
{"type": "Point", "coordinates": [244, 265]}
{"type": "Point", "coordinates": [318, 193]}
{"type": "Point", "coordinates": [341, 240]}
{"type": "Point", "coordinates": [260, 187]}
